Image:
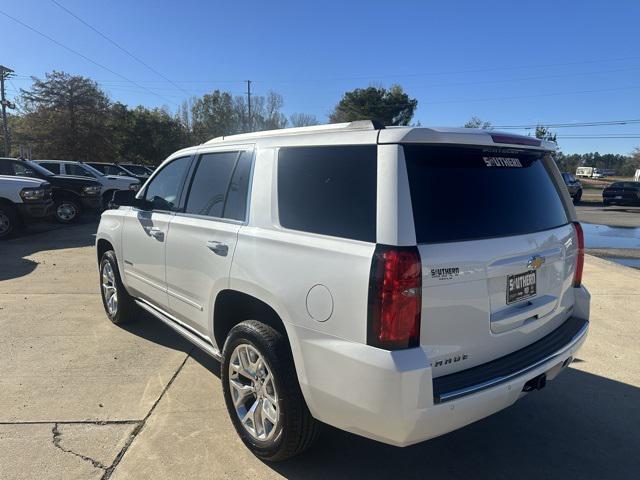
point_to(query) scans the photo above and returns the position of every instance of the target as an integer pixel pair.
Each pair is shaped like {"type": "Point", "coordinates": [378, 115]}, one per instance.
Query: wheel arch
{"type": "Point", "coordinates": [60, 194]}
{"type": "Point", "coordinates": [233, 306]}
{"type": "Point", "coordinates": [103, 245]}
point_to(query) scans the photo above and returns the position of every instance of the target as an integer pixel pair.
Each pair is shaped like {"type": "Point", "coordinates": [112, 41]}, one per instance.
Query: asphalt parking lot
{"type": "Point", "coordinates": [81, 398]}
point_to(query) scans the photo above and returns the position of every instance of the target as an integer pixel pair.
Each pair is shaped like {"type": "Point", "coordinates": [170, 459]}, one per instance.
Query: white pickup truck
{"type": "Point", "coordinates": [22, 199]}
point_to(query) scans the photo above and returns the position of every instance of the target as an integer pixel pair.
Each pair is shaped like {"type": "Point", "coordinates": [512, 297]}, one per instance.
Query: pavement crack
{"type": "Point", "coordinates": [57, 438]}
{"type": "Point", "coordinates": [109, 470]}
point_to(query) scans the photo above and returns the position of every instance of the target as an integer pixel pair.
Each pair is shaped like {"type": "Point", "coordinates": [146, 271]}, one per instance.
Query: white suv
{"type": "Point", "coordinates": [396, 283]}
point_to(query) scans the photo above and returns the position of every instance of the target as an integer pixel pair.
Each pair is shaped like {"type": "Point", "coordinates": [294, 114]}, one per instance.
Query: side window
{"type": "Point", "coordinates": [164, 190]}
{"type": "Point", "coordinates": [52, 167]}
{"type": "Point", "coordinates": [236, 206]}
{"type": "Point", "coordinates": [5, 168]}
{"type": "Point", "coordinates": [329, 190]}
{"type": "Point", "coordinates": [23, 170]}
{"type": "Point", "coordinates": [210, 184]}
{"type": "Point", "coordinates": [75, 169]}
{"type": "Point", "coordinates": [99, 167]}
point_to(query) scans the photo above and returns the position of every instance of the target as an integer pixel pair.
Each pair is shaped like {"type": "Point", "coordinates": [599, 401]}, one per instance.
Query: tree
{"type": "Point", "coordinates": [266, 113]}
{"type": "Point", "coordinates": [389, 107]}
{"type": "Point", "coordinates": [544, 133]}
{"type": "Point", "coordinates": [145, 135]}
{"type": "Point", "coordinates": [303, 120]}
{"type": "Point", "coordinates": [215, 114]}
{"type": "Point", "coordinates": [65, 116]}
{"type": "Point", "coordinates": [477, 122]}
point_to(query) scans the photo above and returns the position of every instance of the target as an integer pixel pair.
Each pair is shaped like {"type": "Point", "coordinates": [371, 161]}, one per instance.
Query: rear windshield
{"type": "Point", "coordinates": [460, 193]}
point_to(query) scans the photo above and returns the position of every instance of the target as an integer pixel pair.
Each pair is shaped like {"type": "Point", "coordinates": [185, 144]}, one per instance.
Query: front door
{"type": "Point", "coordinates": [203, 238]}
{"type": "Point", "coordinates": [145, 234]}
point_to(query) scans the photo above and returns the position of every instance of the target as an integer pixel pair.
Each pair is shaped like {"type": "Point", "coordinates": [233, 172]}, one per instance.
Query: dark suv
{"type": "Point", "coordinates": [622, 193]}
{"type": "Point", "coordinates": [573, 185]}
{"type": "Point", "coordinates": [71, 195]}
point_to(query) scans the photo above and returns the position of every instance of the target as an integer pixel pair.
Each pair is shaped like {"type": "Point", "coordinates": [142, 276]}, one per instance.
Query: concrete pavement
{"type": "Point", "coordinates": [82, 398]}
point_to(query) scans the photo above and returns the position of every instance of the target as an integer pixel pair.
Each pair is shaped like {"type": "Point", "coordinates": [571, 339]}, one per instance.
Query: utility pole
{"type": "Point", "coordinates": [4, 74]}
{"type": "Point", "coordinates": [249, 123]}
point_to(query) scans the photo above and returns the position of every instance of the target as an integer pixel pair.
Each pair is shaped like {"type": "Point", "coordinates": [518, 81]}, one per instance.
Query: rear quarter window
{"type": "Point", "coordinates": [462, 193]}
{"type": "Point", "coordinates": [330, 190]}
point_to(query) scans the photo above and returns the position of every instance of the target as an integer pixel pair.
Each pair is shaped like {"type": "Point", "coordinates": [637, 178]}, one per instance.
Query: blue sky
{"type": "Point", "coordinates": [506, 62]}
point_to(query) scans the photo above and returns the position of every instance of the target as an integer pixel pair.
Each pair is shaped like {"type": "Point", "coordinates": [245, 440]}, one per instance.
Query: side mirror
{"type": "Point", "coordinates": [127, 198]}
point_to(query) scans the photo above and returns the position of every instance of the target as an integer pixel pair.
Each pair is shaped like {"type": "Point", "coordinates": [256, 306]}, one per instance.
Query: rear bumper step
{"type": "Point", "coordinates": [497, 371]}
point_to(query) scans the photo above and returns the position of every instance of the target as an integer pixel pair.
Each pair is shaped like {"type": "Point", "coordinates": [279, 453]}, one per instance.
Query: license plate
{"type": "Point", "coordinates": [618, 197]}
{"type": "Point", "coordinates": [521, 286]}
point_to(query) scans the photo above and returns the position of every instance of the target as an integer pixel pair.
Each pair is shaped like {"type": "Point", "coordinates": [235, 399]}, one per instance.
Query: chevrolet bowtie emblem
{"type": "Point", "coordinates": [535, 262]}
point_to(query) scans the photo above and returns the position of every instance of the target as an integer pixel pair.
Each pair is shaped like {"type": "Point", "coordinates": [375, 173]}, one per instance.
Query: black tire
{"type": "Point", "coordinates": [577, 197]}
{"type": "Point", "coordinates": [296, 429]}
{"type": "Point", "coordinates": [67, 210]}
{"type": "Point", "coordinates": [126, 310]}
{"type": "Point", "coordinates": [9, 221]}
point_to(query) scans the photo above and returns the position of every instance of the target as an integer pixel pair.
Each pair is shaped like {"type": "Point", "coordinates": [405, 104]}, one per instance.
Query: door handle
{"type": "Point", "coordinates": [218, 248]}
{"type": "Point", "coordinates": [156, 233]}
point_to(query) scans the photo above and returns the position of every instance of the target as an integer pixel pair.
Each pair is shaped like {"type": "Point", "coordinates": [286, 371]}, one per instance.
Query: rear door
{"type": "Point", "coordinates": [497, 249]}
{"type": "Point", "coordinates": [203, 237]}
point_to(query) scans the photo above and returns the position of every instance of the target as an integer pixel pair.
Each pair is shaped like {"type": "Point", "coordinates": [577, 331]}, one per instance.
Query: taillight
{"type": "Point", "coordinates": [577, 278]}
{"type": "Point", "coordinates": [395, 298]}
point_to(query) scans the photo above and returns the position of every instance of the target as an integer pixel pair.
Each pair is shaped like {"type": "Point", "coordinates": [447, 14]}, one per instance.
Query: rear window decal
{"type": "Point", "coordinates": [502, 162]}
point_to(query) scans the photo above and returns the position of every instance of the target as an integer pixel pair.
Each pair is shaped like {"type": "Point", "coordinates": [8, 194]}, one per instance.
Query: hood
{"type": "Point", "coordinates": [23, 181]}
{"type": "Point", "coordinates": [123, 178]}
{"type": "Point", "coordinates": [71, 181]}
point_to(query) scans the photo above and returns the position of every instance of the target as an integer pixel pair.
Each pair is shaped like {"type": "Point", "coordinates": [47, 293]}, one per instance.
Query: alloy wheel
{"type": "Point", "coordinates": [253, 391]}
{"type": "Point", "coordinates": [109, 290]}
{"type": "Point", "coordinates": [66, 212]}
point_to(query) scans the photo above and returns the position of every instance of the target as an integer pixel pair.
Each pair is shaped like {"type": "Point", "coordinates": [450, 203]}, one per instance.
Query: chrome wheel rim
{"type": "Point", "coordinates": [66, 211]}
{"type": "Point", "coordinates": [5, 223]}
{"type": "Point", "coordinates": [109, 291]}
{"type": "Point", "coordinates": [253, 392]}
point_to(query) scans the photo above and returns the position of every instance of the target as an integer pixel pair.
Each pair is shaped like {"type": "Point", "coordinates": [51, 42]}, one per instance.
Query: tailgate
{"type": "Point", "coordinates": [498, 251]}
{"type": "Point", "coordinates": [467, 319]}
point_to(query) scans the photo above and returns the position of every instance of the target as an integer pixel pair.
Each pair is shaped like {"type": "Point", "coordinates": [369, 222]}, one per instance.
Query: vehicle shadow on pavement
{"type": "Point", "coordinates": [42, 237]}
{"type": "Point", "coordinates": [150, 328]}
{"type": "Point", "coordinates": [580, 426]}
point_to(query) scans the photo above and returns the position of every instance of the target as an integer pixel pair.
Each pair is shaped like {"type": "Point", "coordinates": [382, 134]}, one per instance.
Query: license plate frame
{"type": "Point", "coordinates": [521, 286]}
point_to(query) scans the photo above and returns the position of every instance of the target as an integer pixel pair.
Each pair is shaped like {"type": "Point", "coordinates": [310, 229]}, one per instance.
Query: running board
{"type": "Point", "coordinates": [182, 329]}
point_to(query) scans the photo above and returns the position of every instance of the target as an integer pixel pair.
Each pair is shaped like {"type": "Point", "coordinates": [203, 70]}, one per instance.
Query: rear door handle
{"type": "Point", "coordinates": [156, 233]}
{"type": "Point", "coordinates": [218, 248]}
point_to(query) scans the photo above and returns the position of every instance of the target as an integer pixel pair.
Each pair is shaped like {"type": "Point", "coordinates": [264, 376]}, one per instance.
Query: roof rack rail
{"type": "Point", "coordinates": [332, 127]}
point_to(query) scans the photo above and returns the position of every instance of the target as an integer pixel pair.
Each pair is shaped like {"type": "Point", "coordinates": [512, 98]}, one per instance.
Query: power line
{"type": "Point", "coordinates": [598, 137]}
{"type": "Point", "coordinates": [568, 125]}
{"type": "Point", "coordinates": [457, 72]}
{"type": "Point", "coordinates": [51, 39]}
{"type": "Point", "coordinates": [120, 47]}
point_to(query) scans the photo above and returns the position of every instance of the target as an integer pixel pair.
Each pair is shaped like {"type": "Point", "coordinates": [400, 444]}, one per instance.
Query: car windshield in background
{"type": "Point", "coordinates": [93, 170]}
{"type": "Point", "coordinates": [460, 193]}
{"type": "Point", "coordinates": [41, 170]}
{"type": "Point", "coordinates": [109, 169]}
{"type": "Point", "coordinates": [136, 169]}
